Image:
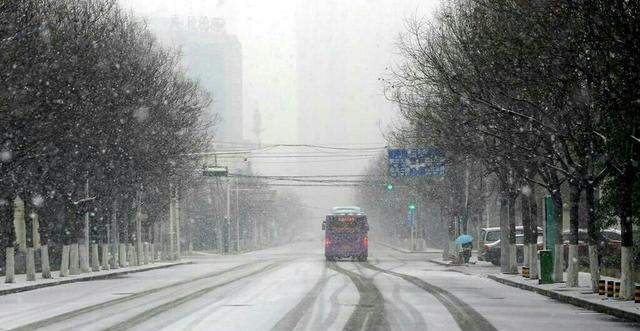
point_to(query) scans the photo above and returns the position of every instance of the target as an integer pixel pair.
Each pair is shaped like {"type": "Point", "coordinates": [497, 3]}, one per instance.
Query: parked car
{"type": "Point", "coordinates": [491, 251]}
{"type": "Point", "coordinates": [492, 235]}
{"type": "Point", "coordinates": [609, 242]}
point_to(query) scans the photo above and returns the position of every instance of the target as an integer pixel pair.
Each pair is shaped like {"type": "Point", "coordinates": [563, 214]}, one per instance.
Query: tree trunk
{"type": "Point", "coordinates": [19, 224]}
{"type": "Point", "coordinates": [44, 260]}
{"type": "Point", "coordinates": [31, 265]}
{"type": "Point", "coordinates": [558, 263]}
{"type": "Point", "coordinates": [105, 257]}
{"type": "Point", "coordinates": [504, 235]}
{"type": "Point", "coordinates": [95, 262]}
{"type": "Point", "coordinates": [84, 258]}
{"type": "Point", "coordinates": [572, 259]}
{"type": "Point", "coordinates": [9, 274]}
{"type": "Point", "coordinates": [594, 261]}
{"type": "Point", "coordinates": [74, 260]}
{"type": "Point", "coordinates": [445, 236]}
{"type": "Point", "coordinates": [626, 213]}
{"type": "Point", "coordinates": [64, 263]}
{"type": "Point", "coordinates": [533, 250]}
{"type": "Point", "coordinates": [526, 226]}
{"type": "Point", "coordinates": [513, 262]}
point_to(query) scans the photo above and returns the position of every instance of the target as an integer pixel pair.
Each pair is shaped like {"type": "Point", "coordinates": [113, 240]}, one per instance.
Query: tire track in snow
{"type": "Point", "coordinates": [468, 319]}
{"type": "Point", "coordinates": [148, 314]}
{"type": "Point", "coordinates": [65, 317]}
{"type": "Point", "coordinates": [369, 313]}
{"type": "Point", "coordinates": [291, 319]}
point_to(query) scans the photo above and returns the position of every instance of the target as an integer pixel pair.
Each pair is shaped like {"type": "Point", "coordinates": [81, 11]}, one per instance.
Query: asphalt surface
{"type": "Point", "coordinates": [293, 288]}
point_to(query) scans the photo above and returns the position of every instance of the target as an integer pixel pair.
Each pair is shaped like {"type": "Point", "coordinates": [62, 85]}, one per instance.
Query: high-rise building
{"type": "Point", "coordinates": [212, 57]}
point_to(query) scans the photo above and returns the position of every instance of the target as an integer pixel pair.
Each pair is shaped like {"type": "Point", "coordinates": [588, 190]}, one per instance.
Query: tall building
{"type": "Point", "coordinates": [212, 57]}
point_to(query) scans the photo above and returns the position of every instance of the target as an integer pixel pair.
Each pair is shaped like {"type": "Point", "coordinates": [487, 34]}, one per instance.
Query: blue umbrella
{"type": "Point", "coordinates": [464, 239]}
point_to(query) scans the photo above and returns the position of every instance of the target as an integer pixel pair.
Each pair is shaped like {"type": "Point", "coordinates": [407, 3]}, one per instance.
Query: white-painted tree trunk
{"type": "Point", "coordinates": [533, 261]}
{"type": "Point", "coordinates": [64, 263]}
{"type": "Point", "coordinates": [594, 267]}
{"type": "Point", "coordinates": [105, 256]}
{"type": "Point", "coordinates": [133, 261]}
{"type": "Point", "coordinates": [152, 257]}
{"type": "Point", "coordinates": [84, 258]}
{"type": "Point", "coordinates": [145, 256]}
{"type": "Point", "coordinates": [74, 260]}
{"type": "Point", "coordinates": [513, 262]}
{"type": "Point", "coordinates": [115, 256]}
{"type": "Point", "coordinates": [10, 268]}
{"type": "Point", "coordinates": [627, 286]}
{"type": "Point", "coordinates": [95, 263]}
{"type": "Point", "coordinates": [572, 270]}
{"type": "Point", "coordinates": [19, 225]}
{"type": "Point", "coordinates": [525, 252]}
{"type": "Point", "coordinates": [44, 261]}
{"type": "Point", "coordinates": [31, 265]}
{"type": "Point", "coordinates": [122, 251]}
{"type": "Point", "coordinates": [453, 248]}
{"type": "Point", "coordinates": [35, 231]}
{"type": "Point", "coordinates": [558, 263]}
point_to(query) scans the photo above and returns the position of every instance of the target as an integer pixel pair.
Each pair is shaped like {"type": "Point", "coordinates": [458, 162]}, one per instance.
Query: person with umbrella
{"type": "Point", "coordinates": [466, 241]}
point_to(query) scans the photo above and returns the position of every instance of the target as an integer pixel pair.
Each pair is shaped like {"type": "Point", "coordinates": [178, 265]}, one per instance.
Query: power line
{"type": "Point", "coordinates": [267, 147]}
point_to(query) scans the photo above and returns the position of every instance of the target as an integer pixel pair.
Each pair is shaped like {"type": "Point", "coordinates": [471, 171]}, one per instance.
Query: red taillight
{"type": "Point", "coordinates": [365, 241]}
{"type": "Point", "coordinates": [487, 248]}
{"type": "Point", "coordinates": [327, 243]}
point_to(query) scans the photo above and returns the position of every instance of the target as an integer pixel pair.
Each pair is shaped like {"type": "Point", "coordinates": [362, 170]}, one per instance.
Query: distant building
{"type": "Point", "coordinates": [214, 58]}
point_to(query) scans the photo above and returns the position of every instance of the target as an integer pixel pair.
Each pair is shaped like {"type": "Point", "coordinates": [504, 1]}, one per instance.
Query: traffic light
{"type": "Point", "coordinates": [412, 206]}
{"type": "Point", "coordinates": [389, 186]}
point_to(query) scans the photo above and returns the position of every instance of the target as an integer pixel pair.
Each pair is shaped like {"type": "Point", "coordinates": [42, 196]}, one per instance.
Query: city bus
{"type": "Point", "coordinates": [346, 234]}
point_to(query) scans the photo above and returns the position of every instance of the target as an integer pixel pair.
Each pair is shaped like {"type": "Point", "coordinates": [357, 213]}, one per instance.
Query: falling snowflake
{"type": "Point", "coordinates": [37, 200]}
{"type": "Point", "coordinates": [6, 156]}
{"type": "Point", "coordinates": [141, 114]}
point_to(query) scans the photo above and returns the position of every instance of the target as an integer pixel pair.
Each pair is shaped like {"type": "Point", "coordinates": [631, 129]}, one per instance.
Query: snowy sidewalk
{"type": "Point", "coordinates": [580, 296]}
{"type": "Point", "coordinates": [21, 284]}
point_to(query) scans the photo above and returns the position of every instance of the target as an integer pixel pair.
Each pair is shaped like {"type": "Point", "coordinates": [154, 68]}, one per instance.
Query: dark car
{"type": "Point", "coordinates": [491, 252]}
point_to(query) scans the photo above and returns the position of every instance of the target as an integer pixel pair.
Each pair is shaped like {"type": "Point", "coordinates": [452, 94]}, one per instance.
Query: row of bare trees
{"type": "Point", "coordinates": [91, 106]}
{"type": "Point", "coordinates": [538, 94]}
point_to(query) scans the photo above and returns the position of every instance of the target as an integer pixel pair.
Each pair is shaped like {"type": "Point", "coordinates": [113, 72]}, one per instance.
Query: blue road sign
{"type": "Point", "coordinates": [416, 162]}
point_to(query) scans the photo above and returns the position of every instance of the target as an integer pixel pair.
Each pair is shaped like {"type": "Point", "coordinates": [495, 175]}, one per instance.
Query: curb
{"type": "Point", "coordinates": [571, 300]}
{"type": "Point", "coordinates": [394, 247]}
{"type": "Point", "coordinates": [66, 280]}
{"type": "Point", "coordinates": [405, 250]}
{"type": "Point", "coordinates": [446, 264]}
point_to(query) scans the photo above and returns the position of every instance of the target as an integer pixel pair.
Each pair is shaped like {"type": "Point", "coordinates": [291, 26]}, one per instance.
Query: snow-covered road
{"type": "Point", "coordinates": [293, 288]}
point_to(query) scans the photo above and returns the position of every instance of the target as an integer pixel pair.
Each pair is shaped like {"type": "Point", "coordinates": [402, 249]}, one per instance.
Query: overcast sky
{"type": "Point", "coordinates": [311, 68]}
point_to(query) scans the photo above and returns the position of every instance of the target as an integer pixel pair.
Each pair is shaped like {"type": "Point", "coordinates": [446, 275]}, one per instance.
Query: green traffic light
{"type": "Point", "coordinates": [390, 187]}
{"type": "Point", "coordinates": [412, 206]}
